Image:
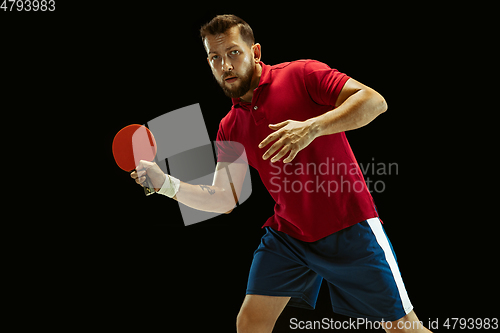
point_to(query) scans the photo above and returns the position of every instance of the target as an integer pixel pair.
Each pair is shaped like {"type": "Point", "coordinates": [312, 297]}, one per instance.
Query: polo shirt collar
{"type": "Point", "coordinates": [265, 78]}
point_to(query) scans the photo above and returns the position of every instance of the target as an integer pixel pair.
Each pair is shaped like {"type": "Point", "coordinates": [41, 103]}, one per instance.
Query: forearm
{"type": "Point", "coordinates": [205, 197]}
{"type": "Point", "coordinates": [217, 199]}
{"type": "Point", "coordinates": [356, 111]}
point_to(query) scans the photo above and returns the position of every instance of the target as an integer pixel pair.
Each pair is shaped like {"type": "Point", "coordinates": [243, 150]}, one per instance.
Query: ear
{"type": "Point", "coordinates": [257, 53]}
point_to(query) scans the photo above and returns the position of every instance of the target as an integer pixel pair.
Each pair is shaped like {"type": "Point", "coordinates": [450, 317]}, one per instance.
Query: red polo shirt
{"type": "Point", "coordinates": [322, 190]}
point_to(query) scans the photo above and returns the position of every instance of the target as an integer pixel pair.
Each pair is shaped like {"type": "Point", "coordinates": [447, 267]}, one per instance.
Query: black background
{"type": "Point", "coordinates": [109, 257]}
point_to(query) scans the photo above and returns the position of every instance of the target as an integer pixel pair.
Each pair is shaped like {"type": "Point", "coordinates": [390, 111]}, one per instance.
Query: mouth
{"type": "Point", "coordinates": [231, 79]}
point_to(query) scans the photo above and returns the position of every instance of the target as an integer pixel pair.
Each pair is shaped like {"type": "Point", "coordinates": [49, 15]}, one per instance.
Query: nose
{"type": "Point", "coordinates": [226, 65]}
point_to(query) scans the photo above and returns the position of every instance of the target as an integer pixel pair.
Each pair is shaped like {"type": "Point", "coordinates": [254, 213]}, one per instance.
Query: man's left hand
{"type": "Point", "coordinates": [290, 136]}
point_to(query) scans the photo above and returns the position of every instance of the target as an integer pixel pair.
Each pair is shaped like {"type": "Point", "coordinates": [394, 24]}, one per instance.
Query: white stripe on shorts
{"type": "Point", "coordinates": [377, 230]}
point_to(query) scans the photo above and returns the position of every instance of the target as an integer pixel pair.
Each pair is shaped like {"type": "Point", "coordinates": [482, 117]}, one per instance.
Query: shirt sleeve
{"type": "Point", "coordinates": [323, 83]}
{"type": "Point", "coordinates": [229, 151]}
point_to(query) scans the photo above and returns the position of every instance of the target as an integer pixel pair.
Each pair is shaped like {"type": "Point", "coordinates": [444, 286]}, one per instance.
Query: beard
{"type": "Point", "coordinates": [241, 86]}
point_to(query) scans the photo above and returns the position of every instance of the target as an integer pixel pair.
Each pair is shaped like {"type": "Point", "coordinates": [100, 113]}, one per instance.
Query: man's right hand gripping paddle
{"type": "Point", "coordinates": [135, 146]}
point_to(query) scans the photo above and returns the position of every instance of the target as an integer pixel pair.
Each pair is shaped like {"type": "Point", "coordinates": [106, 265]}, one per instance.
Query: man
{"type": "Point", "coordinates": [290, 119]}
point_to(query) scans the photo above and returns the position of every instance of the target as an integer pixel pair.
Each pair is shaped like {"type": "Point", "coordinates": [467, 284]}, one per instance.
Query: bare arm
{"type": "Point", "coordinates": [356, 106]}
{"type": "Point", "coordinates": [220, 197]}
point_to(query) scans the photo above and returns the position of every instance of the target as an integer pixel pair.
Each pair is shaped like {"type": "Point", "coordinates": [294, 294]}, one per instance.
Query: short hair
{"type": "Point", "coordinates": [222, 23]}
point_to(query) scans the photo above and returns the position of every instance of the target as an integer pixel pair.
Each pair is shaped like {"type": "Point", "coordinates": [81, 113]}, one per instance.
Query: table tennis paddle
{"type": "Point", "coordinates": [132, 144]}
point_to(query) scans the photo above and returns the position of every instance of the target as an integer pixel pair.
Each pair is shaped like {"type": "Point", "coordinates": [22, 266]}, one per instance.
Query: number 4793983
{"type": "Point", "coordinates": [28, 5]}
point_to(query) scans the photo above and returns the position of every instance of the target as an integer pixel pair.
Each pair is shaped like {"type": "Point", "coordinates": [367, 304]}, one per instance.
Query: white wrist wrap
{"type": "Point", "coordinates": [170, 187]}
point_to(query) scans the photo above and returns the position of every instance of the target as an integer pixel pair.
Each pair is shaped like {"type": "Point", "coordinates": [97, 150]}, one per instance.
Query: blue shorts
{"type": "Point", "coordinates": [358, 264]}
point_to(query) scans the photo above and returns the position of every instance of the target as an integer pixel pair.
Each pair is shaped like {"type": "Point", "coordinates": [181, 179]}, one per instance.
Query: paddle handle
{"type": "Point", "coordinates": [149, 188]}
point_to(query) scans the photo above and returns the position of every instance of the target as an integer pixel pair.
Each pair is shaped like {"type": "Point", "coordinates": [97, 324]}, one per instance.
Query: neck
{"type": "Point", "coordinates": [255, 83]}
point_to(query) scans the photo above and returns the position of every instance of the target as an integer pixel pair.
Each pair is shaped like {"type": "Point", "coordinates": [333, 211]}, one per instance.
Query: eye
{"type": "Point", "coordinates": [234, 52]}
{"type": "Point", "coordinates": [215, 57]}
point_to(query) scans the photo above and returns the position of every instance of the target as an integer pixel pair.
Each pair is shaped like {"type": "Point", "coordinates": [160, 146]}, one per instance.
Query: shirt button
{"type": "Point", "coordinates": [255, 107]}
